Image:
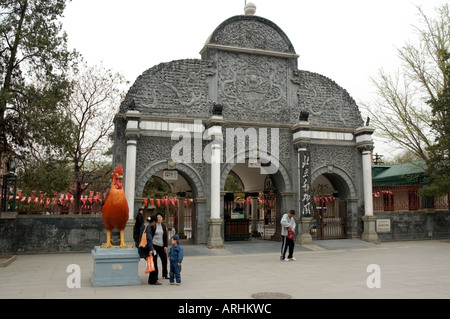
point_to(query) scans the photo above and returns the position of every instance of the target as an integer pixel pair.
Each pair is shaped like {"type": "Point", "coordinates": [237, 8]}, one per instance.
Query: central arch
{"type": "Point", "coordinates": [281, 177]}
{"type": "Point", "coordinates": [262, 222]}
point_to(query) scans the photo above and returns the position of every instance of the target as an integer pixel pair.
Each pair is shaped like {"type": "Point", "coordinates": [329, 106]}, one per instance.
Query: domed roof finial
{"type": "Point", "coordinates": [250, 9]}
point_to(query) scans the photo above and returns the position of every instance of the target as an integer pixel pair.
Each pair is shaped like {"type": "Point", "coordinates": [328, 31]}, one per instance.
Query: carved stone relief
{"type": "Point", "coordinates": [175, 88]}
{"type": "Point", "coordinates": [251, 34]}
{"type": "Point", "coordinates": [253, 87]}
{"type": "Point", "coordinates": [327, 103]}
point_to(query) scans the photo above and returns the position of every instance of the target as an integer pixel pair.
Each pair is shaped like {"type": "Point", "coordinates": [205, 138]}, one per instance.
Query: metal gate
{"type": "Point", "coordinates": [331, 219]}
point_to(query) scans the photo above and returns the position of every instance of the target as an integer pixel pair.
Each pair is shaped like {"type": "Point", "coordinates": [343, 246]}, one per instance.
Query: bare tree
{"type": "Point", "coordinates": [97, 93]}
{"type": "Point", "coordinates": [399, 111]}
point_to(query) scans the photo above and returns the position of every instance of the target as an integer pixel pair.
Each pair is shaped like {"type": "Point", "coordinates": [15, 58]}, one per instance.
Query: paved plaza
{"type": "Point", "coordinates": [327, 269]}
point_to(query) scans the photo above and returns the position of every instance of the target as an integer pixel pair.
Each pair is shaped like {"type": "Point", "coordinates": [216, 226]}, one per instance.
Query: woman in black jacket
{"type": "Point", "coordinates": [160, 239]}
{"type": "Point", "coordinates": [144, 252]}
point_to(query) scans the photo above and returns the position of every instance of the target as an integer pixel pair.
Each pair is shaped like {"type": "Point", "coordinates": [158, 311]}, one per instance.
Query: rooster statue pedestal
{"type": "Point", "coordinates": [115, 266]}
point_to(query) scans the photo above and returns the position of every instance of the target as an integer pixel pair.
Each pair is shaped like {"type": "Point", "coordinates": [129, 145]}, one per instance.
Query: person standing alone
{"type": "Point", "coordinates": [288, 235]}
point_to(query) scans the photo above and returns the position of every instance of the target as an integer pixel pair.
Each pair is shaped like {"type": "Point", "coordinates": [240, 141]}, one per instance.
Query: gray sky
{"type": "Point", "coordinates": [347, 41]}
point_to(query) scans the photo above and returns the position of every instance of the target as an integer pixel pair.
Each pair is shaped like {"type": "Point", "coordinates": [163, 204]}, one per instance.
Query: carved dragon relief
{"type": "Point", "coordinates": [316, 102]}
{"type": "Point", "coordinates": [309, 99]}
{"type": "Point", "coordinates": [167, 88]}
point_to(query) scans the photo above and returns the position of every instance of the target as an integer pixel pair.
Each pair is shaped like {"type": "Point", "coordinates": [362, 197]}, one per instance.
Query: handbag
{"type": "Point", "coordinates": [143, 242]}
{"type": "Point", "coordinates": [150, 267]}
{"type": "Point", "coordinates": [290, 234]}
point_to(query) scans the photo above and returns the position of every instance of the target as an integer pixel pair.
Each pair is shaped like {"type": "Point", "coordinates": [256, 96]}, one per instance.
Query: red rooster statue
{"type": "Point", "coordinates": [115, 209]}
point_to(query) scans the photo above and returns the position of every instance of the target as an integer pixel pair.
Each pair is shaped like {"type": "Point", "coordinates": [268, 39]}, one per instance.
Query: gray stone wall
{"type": "Point", "coordinates": [51, 234]}
{"type": "Point", "coordinates": [416, 225]}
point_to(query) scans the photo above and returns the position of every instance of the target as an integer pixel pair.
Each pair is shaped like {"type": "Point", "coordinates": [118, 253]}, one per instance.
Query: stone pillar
{"type": "Point", "coordinates": [301, 140]}
{"type": "Point", "coordinates": [215, 181]}
{"type": "Point", "coordinates": [132, 135]}
{"type": "Point", "coordinates": [367, 180]}
{"type": "Point", "coordinates": [130, 176]}
{"type": "Point", "coordinates": [365, 145]}
{"type": "Point", "coordinates": [304, 202]}
{"type": "Point", "coordinates": [215, 239]}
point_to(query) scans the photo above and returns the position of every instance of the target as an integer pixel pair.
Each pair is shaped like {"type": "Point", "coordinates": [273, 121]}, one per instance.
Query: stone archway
{"type": "Point", "coordinates": [333, 208]}
{"type": "Point", "coordinates": [339, 177]}
{"type": "Point", "coordinates": [284, 195]}
{"type": "Point", "coordinates": [193, 178]}
{"type": "Point", "coordinates": [188, 172]}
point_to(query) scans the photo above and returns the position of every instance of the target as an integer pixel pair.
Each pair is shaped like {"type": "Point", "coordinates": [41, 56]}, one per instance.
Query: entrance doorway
{"type": "Point", "coordinates": [172, 198]}
{"type": "Point", "coordinates": [252, 205]}
{"type": "Point", "coordinates": [330, 212]}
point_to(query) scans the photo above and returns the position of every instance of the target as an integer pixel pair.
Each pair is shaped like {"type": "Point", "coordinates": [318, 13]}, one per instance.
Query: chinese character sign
{"type": "Point", "coordinates": [305, 183]}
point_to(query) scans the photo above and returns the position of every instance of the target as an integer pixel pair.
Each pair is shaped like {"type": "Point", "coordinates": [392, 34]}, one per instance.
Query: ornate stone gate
{"type": "Point", "coordinates": [246, 81]}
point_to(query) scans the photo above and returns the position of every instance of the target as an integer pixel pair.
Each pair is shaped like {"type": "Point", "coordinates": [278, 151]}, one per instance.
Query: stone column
{"type": "Point", "coordinates": [301, 140]}
{"type": "Point", "coordinates": [130, 176]}
{"type": "Point", "coordinates": [132, 135]}
{"type": "Point", "coordinates": [215, 239]}
{"type": "Point", "coordinates": [367, 179]}
{"type": "Point", "coordinates": [304, 202]}
{"type": "Point", "coordinates": [369, 234]}
{"type": "Point", "coordinates": [365, 145]}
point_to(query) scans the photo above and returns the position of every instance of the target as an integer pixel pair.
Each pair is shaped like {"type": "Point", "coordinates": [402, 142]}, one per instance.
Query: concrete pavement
{"type": "Point", "coordinates": [327, 269]}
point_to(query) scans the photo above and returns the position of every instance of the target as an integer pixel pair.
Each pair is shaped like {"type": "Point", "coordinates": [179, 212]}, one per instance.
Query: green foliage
{"type": "Point", "coordinates": [46, 177]}
{"type": "Point", "coordinates": [33, 85]}
{"type": "Point", "coordinates": [156, 188]}
{"type": "Point", "coordinates": [399, 111]}
{"type": "Point", "coordinates": [232, 184]}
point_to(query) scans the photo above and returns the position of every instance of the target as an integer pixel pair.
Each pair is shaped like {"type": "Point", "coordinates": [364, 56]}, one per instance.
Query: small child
{"type": "Point", "coordinates": [175, 258]}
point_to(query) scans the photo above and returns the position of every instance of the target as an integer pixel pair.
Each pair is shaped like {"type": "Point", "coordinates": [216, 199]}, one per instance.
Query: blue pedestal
{"type": "Point", "coordinates": [115, 267]}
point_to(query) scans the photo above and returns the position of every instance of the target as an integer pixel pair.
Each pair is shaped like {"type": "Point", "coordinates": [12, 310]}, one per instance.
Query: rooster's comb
{"type": "Point", "coordinates": [118, 170]}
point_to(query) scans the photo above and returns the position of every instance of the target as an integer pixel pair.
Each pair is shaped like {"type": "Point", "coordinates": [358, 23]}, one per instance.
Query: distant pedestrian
{"type": "Point", "coordinates": [175, 258]}
{"type": "Point", "coordinates": [175, 222]}
{"type": "Point", "coordinates": [287, 235]}
{"type": "Point", "coordinates": [137, 226]}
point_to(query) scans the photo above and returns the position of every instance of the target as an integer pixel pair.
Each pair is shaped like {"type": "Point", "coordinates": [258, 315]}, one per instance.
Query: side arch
{"type": "Point", "coordinates": [188, 172]}
{"type": "Point", "coordinates": [337, 177]}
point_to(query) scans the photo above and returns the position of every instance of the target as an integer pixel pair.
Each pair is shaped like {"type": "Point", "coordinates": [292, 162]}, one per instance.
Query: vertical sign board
{"type": "Point", "coordinates": [304, 182]}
